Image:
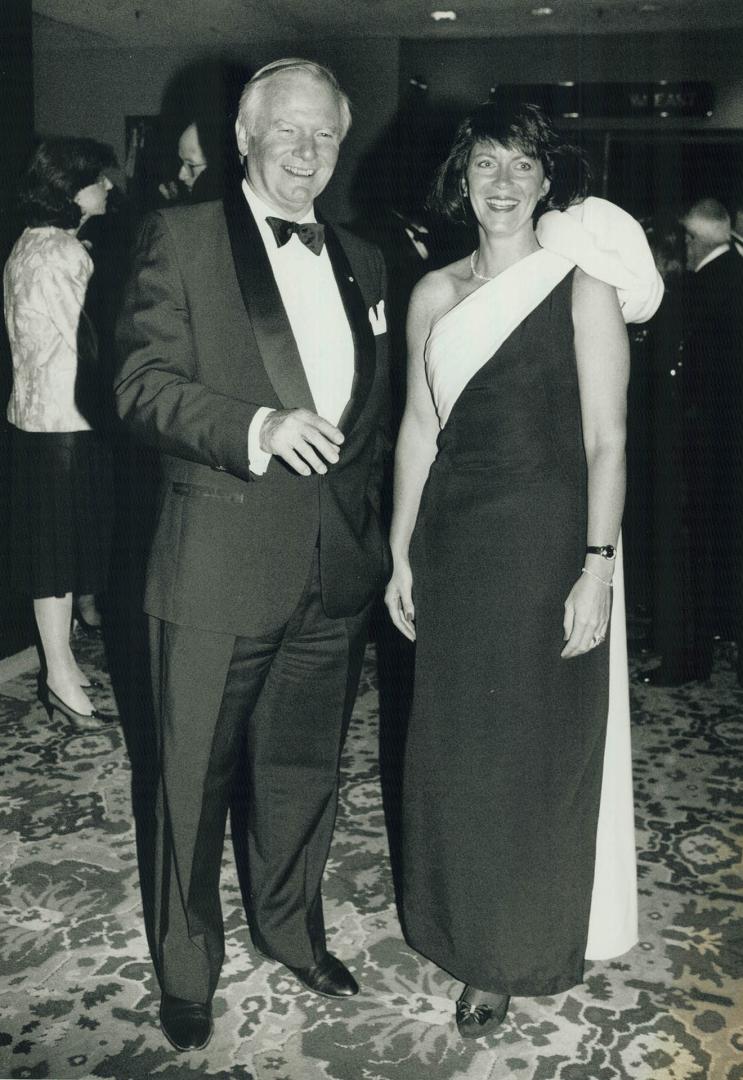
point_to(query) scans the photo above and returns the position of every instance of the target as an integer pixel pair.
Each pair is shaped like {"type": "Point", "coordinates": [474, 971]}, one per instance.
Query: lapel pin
{"type": "Point", "coordinates": [350, 278]}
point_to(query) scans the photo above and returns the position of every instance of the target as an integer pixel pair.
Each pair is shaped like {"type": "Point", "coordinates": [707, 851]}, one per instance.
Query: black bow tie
{"type": "Point", "coordinates": [310, 233]}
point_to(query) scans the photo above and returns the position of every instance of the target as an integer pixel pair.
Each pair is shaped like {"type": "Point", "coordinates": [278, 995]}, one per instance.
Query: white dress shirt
{"type": "Point", "coordinates": [317, 317]}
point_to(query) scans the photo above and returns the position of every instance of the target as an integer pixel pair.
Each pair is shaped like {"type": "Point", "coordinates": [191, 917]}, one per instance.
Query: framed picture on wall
{"type": "Point", "coordinates": [145, 162]}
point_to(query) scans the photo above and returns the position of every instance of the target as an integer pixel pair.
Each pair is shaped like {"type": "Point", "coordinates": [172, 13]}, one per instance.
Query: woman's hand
{"type": "Point", "coordinates": [587, 611]}
{"type": "Point", "coordinates": [169, 190]}
{"type": "Point", "coordinates": [398, 596]}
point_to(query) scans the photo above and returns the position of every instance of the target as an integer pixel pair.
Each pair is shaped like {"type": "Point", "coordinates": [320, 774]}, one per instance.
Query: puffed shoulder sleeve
{"type": "Point", "coordinates": [609, 244]}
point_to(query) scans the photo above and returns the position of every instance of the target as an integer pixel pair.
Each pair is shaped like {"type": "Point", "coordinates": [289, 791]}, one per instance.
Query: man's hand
{"type": "Point", "coordinates": [169, 190]}
{"type": "Point", "coordinates": [302, 439]}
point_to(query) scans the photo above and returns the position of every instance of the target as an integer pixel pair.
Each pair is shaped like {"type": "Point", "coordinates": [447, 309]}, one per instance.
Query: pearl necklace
{"type": "Point", "coordinates": [482, 277]}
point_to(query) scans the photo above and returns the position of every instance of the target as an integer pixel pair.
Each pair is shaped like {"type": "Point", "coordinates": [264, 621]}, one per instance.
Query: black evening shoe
{"type": "Point", "coordinates": [329, 978]}
{"type": "Point", "coordinates": [187, 1025]}
{"type": "Point", "coordinates": [83, 721]}
{"type": "Point", "coordinates": [478, 1018]}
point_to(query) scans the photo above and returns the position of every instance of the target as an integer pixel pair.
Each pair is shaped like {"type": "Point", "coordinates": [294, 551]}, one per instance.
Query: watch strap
{"type": "Point", "coordinates": [606, 551]}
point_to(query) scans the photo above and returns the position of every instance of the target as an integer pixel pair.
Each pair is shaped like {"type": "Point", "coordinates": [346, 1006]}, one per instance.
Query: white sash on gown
{"type": "Point", "coordinates": [610, 245]}
{"type": "Point", "coordinates": [484, 319]}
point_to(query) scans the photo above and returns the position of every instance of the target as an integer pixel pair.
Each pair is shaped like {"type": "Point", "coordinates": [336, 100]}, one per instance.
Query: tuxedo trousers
{"type": "Point", "coordinates": [715, 513]}
{"type": "Point", "coordinates": [259, 723]}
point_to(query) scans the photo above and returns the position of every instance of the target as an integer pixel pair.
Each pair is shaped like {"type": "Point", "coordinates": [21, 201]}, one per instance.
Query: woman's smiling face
{"type": "Point", "coordinates": [504, 186]}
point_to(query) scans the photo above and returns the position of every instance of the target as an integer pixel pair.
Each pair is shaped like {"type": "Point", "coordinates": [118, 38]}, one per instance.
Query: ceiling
{"type": "Point", "coordinates": [223, 23]}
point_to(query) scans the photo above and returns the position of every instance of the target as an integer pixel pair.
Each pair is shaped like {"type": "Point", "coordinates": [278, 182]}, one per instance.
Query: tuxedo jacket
{"type": "Point", "coordinates": [713, 343]}
{"type": "Point", "coordinates": [204, 341]}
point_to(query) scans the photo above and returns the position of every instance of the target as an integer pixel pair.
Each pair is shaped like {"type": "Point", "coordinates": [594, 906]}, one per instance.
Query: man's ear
{"type": "Point", "coordinates": [545, 188]}
{"type": "Point", "coordinates": [242, 138]}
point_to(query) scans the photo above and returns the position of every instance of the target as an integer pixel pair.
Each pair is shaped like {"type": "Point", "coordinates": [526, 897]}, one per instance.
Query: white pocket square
{"type": "Point", "coordinates": [377, 319]}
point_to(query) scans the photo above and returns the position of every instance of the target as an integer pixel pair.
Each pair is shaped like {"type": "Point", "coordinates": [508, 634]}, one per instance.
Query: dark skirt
{"type": "Point", "coordinates": [61, 512]}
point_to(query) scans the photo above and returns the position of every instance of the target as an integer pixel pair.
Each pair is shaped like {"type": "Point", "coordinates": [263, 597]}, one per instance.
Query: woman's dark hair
{"type": "Point", "coordinates": [515, 126]}
{"type": "Point", "coordinates": [60, 167]}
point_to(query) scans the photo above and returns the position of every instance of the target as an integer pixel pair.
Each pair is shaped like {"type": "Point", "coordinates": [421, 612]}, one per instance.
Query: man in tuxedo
{"type": "Point", "coordinates": [713, 444]}
{"type": "Point", "coordinates": [254, 359]}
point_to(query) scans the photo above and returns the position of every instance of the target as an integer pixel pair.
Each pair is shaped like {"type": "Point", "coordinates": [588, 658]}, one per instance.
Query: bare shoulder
{"type": "Point", "coordinates": [591, 296]}
{"type": "Point", "coordinates": [438, 291]}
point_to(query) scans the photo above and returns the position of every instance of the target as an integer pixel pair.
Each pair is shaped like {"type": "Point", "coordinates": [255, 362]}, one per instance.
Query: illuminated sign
{"type": "Point", "coordinates": [615, 100]}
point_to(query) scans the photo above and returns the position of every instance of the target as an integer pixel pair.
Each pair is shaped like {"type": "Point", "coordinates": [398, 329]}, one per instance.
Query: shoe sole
{"type": "Point", "coordinates": [187, 1049]}
{"type": "Point", "coordinates": [321, 993]}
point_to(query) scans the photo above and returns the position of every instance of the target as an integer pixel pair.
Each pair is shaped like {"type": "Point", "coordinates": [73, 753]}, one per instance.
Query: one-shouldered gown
{"type": "Point", "coordinates": [507, 834]}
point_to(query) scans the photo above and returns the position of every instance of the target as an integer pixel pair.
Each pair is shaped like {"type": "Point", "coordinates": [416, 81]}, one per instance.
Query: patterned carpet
{"type": "Point", "coordinates": [78, 998]}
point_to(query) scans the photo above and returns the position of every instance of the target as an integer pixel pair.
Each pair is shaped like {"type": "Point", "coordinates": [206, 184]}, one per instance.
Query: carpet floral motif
{"type": "Point", "coordinates": [78, 998]}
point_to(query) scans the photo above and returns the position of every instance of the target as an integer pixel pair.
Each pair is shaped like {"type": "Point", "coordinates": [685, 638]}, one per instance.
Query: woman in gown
{"type": "Point", "coordinates": [509, 488]}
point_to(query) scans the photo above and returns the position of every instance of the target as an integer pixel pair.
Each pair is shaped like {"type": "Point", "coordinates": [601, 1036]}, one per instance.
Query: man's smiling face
{"type": "Point", "coordinates": [292, 153]}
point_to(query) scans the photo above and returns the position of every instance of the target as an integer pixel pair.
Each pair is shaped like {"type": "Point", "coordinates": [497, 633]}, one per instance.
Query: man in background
{"type": "Point", "coordinates": [713, 407]}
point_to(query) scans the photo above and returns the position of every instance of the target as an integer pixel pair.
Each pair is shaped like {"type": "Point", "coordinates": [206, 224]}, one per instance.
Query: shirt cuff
{"type": "Point", "coordinates": [258, 460]}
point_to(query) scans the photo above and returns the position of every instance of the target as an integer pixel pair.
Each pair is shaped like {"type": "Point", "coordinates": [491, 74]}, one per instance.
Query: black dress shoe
{"type": "Point", "coordinates": [479, 1013]}
{"type": "Point", "coordinates": [329, 978]}
{"type": "Point", "coordinates": [187, 1025]}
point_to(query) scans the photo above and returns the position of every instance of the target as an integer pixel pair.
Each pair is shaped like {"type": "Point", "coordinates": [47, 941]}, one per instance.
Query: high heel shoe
{"type": "Point", "coordinates": [479, 1018]}
{"type": "Point", "coordinates": [84, 721]}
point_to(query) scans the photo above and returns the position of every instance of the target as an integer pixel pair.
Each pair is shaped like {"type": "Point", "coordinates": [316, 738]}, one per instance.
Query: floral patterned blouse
{"type": "Point", "coordinates": [45, 281]}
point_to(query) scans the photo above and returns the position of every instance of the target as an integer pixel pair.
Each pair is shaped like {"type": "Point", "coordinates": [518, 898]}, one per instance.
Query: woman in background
{"type": "Point", "coordinates": [509, 487]}
{"type": "Point", "coordinates": [61, 483]}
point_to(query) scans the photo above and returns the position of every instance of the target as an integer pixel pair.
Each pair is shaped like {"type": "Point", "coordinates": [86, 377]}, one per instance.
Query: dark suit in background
{"type": "Point", "coordinates": [713, 455]}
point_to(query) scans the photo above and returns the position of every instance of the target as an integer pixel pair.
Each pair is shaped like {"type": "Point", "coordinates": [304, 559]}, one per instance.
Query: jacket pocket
{"type": "Point", "coordinates": [203, 491]}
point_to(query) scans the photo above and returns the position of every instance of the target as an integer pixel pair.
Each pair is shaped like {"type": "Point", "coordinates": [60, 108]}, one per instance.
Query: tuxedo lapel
{"type": "Point", "coordinates": [358, 319]}
{"type": "Point", "coordinates": [263, 303]}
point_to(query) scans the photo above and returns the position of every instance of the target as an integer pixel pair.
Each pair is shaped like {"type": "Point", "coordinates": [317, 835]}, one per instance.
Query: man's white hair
{"type": "Point", "coordinates": [251, 99]}
{"type": "Point", "coordinates": [708, 221]}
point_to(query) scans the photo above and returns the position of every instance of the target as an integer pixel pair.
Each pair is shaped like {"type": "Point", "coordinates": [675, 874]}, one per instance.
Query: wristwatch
{"type": "Point", "coordinates": [606, 551]}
